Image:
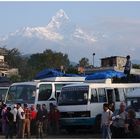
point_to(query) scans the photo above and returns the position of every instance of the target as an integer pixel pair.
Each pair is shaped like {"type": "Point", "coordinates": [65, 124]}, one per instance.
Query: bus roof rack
{"type": "Point", "coordinates": [107, 81]}
{"type": "Point", "coordinates": [62, 79]}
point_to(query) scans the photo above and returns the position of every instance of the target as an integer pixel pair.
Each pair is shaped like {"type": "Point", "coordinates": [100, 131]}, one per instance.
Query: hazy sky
{"type": "Point", "coordinates": [115, 25]}
{"type": "Point", "coordinates": [14, 15]}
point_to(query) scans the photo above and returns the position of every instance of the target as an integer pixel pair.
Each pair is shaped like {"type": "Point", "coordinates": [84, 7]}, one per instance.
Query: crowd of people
{"type": "Point", "coordinates": [22, 121]}
{"type": "Point", "coordinates": [118, 124]}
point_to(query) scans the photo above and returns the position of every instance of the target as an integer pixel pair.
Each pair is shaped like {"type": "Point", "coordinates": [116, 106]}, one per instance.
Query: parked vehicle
{"type": "Point", "coordinates": [81, 104]}
{"type": "Point", "coordinates": [40, 91]}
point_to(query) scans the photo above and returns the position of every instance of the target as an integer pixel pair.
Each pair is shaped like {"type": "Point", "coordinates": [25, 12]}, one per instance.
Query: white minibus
{"type": "Point", "coordinates": [39, 92]}
{"type": "Point", "coordinates": [81, 105]}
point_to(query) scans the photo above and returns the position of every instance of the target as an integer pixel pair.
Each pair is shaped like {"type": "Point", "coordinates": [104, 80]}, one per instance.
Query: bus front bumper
{"type": "Point", "coordinates": [77, 121]}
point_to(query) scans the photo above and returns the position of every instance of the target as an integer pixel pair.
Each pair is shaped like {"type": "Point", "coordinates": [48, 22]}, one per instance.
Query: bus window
{"type": "Point", "coordinates": [117, 96]}
{"type": "Point", "coordinates": [102, 95]}
{"type": "Point", "coordinates": [45, 91]}
{"type": "Point", "coordinates": [94, 97]}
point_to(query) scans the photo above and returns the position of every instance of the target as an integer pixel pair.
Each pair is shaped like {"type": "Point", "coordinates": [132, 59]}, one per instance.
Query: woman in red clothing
{"type": "Point", "coordinates": [53, 118]}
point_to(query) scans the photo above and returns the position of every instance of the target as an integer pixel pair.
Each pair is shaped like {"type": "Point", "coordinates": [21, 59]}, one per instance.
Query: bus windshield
{"type": "Point", "coordinates": [3, 92]}
{"type": "Point", "coordinates": [21, 93]}
{"type": "Point", "coordinates": [73, 96]}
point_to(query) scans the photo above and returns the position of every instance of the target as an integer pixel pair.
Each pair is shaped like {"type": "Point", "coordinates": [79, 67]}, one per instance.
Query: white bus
{"type": "Point", "coordinates": [39, 92]}
{"type": "Point", "coordinates": [81, 105]}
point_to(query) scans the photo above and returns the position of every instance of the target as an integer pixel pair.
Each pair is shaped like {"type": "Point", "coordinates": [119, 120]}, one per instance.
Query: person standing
{"type": "Point", "coordinates": [106, 120]}
{"type": "Point", "coordinates": [3, 113]}
{"type": "Point", "coordinates": [14, 112]}
{"type": "Point", "coordinates": [45, 118]}
{"type": "Point", "coordinates": [131, 124]}
{"type": "Point", "coordinates": [33, 120]}
{"type": "Point", "coordinates": [53, 119]}
{"type": "Point", "coordinates": [9, 124]}
{"type": "Point", "coordinates": [39, 122]}
{"type": "Point", "coordinates": [118, 122]}
{"type": "Point", "coordinates": [26, 124]}
{"type": "Point", "coordinates": [20, 120]}
{"type": "Point", "coordinates": [127, 67]}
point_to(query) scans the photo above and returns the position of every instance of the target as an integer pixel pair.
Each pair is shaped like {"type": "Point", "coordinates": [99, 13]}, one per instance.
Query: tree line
{"type": "Point", "coordinates": [29, 66]}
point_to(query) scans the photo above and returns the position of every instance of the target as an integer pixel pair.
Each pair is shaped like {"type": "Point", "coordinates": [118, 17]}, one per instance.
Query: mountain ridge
{"type": "Point", "coordinates": [60, 34]}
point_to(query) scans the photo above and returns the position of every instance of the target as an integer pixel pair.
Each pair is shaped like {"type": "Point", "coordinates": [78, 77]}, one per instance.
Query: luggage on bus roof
{"type": "Point", "coordinates": [47, 73]}
{"type": "Point", "coordinates": [105, 74]}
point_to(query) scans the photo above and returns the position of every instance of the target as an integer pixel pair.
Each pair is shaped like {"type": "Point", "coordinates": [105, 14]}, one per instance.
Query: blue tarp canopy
{"type": "Point", "coordinates": [105, 74]}
{"type": "Point", "coordinates": [46, 73]}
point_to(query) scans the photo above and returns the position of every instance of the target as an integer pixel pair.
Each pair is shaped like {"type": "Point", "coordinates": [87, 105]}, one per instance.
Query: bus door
{"type": "Point", "coordinates": [119, 96]}
{"type": "Point", "coordinates": [111, 98]}
{"type": "Point", "coordinates": [115, 96]}
{"type": "Point", "coordinates": [110, 95]}
{"type": "Point", "coordinates": [45, 94]}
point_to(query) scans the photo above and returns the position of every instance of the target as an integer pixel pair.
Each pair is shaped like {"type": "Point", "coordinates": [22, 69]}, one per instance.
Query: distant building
{"type": "Point", "coordinates": [3, 66]}
{"type": "Point", "coordinates": [5, 70]}
{"type": "Point", "coordinates": [111, 63]}
{"type": "Point", "coordinates": [114, 61]}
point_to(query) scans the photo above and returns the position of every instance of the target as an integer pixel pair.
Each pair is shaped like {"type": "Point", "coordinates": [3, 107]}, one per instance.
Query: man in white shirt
{"type": "Point", "coordinates": [119, 120]}
{"type": "Point", "coordinates": [14, 112]}
{"type": "Point", "coordinates": [106, 121]}
{"type": "Point", "coordinates": [20, 120]}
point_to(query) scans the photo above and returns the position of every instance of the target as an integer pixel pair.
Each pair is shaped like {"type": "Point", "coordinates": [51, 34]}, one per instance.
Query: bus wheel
{"type": "Point", "coordinates": [98, 123]}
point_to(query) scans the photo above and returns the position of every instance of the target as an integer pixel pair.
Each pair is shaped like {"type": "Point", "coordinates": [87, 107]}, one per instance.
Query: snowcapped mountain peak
{"type": "Point", "coordinates": [57, 35]}
{"type": "Point", "coordinates": [58, 20]}
{"type": "Point", "coordinates": [61, 13]}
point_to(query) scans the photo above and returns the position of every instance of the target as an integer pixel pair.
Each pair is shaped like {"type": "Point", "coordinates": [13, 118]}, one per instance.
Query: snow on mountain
{"type": "Point", "coordinates": [59, 34]}
{"type": "Point", "coordinates": [37, 32]}
{"type": "Point", "coordinates": [79, 33]}
{"type": "Point", "coordinates": [58, 20]}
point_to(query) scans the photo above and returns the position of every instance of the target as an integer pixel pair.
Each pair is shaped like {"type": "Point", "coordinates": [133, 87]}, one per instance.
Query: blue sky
{"type": "Point", "coordinates": [15, 15]}
{"type": "Point", "coordinates": [115, 25]}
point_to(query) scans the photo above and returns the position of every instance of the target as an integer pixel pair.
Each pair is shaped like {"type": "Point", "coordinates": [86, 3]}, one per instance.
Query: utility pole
{"type": "Point", "coordinates": [93, 59]}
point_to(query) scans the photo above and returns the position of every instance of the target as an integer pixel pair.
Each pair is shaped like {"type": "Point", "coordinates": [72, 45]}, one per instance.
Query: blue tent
{"type": "Point", "coordinates": [105, 74]}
